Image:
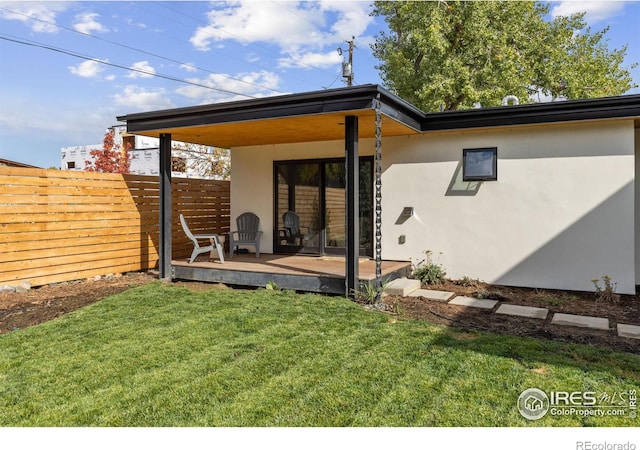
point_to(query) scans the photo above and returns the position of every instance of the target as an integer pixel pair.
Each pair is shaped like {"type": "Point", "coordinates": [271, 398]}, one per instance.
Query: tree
{"type": "Point", "coordinates": [204, 160]}
{"type": "Point", "coordinates": [449, 55]}
{"type": "Point", "coordinates": [111, 158]}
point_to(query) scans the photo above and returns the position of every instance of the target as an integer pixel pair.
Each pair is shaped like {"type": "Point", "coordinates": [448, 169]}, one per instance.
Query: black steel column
{"type": "Point", "coordinates": [165, 207]}
{"type": "Point", "coordinates": [352, 169]}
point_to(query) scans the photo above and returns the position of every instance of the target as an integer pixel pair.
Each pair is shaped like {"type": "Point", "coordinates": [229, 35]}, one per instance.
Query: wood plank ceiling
{"type": "Point", "coordinates": [308, 128]}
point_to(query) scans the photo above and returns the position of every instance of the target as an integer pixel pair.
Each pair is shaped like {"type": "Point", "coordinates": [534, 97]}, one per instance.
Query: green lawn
{"type": "Point", "coordinates": [161, 355]}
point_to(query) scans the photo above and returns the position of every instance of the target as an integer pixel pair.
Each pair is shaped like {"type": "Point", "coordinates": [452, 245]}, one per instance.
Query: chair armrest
{"type": "Point", "coordinates": [206, 236]}
{"type": "Point", "coordinates": [215, 237]}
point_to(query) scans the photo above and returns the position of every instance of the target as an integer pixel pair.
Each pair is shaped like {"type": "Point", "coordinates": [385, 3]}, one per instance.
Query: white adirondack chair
{"type": "Point", "coordinates": [214, 242]}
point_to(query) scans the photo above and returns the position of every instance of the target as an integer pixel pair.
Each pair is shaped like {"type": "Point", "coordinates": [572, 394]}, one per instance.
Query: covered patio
{"type": "Point", "coordinates": [261, 125]}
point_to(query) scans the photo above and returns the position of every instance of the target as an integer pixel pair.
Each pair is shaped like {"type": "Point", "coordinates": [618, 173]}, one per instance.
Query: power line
{"type": "Point", "coordinates": [17, 40]}
{"type": "Point", "coordinates": [139, 50]}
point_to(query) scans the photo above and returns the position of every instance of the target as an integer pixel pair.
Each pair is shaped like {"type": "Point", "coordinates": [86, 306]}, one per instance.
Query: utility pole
{"type": "Point", "coordinates": [347, 66]}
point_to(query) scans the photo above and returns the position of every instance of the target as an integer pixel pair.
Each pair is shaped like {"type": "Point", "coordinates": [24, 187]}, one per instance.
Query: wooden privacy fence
{"type": "Point", "coordinates": [61, 225]}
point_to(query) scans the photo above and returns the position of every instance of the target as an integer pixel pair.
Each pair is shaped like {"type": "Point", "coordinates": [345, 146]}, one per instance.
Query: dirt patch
{"type": "Point", "coordinates": [21, 310]}
{"type": "Point", "coordinates": [24, 309]}
{"type": "Point", "coordinates": [626, 311]}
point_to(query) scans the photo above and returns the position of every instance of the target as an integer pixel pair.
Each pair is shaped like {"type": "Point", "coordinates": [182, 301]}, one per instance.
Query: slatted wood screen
{"type": "Point", "coordinates": [62, 225]}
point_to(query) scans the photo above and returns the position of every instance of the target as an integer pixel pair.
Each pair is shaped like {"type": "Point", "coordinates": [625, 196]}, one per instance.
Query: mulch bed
{"type": "Point", "coordinates": [626, 310]}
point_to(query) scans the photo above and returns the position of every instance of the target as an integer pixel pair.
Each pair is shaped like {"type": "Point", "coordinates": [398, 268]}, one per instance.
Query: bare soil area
{"type": "Point", "coordinates": [21, 310]}
{"type": "Point", "coordinates": [626, 311]}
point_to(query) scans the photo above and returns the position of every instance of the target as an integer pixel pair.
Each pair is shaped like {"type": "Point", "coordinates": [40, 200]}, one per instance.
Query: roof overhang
{"type": "Point", "coordinates": [624, 106]}
{"type": "Point", "coordinates": [319, 116]}
{"type": "Point", "coordinates": [313, 116]}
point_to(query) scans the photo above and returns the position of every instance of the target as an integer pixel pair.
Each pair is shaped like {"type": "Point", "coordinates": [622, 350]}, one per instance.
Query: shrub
{"type": "Point", "coordinates": [370, 293]}
{"type": "Point", "coordinates": [466, 281]}
{"type": "Point", "coordinates": [428, 271]}
{"type": "Point", "coordinates": [606, 292]}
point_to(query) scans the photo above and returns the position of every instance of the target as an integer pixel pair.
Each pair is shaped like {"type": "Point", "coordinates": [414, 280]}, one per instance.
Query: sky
{"type": "Point", "coordinates": [67, 69]}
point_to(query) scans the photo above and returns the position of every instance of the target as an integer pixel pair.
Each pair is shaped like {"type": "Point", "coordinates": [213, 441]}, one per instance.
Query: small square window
{"type": "Point", "coordinates": [480, 164]}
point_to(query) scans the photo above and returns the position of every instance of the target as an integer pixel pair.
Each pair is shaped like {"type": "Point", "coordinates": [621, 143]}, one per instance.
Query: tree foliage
{"type": "Point", "coordinates": [204, 160]}
{"type": "Point", "coordinates": [452, 54]}
{"type": "Point", "coordinates": [111, 158]}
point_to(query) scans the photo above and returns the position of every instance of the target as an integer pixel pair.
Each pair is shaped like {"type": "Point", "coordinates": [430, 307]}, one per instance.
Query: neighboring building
{"type": "Point", "coordinates": [9, 163]}
{"type": "Point", "coordinates": [538, 195]}
{"type": "Point", "coordinates": [144, 153]}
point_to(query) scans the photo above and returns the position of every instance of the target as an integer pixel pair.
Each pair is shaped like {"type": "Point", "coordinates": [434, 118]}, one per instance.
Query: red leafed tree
{"type": "Point", "coordinates": [111, 158]}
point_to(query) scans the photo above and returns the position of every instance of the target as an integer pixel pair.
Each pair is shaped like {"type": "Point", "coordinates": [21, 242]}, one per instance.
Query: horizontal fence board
{"type": "Point", "coordinates": [112, 233]}
{"type": "Point", "coordinates": [34, 255]}
{"type": "Point", "coordinates": [67, 242]}
{"type": "Point", "coordinates": [58, 226]}
{"type": "Point", "coordinates": [70, 217]}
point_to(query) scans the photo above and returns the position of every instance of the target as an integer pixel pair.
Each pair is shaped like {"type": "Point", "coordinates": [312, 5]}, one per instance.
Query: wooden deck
{"type": "Point", "coordinates": [303, 273]}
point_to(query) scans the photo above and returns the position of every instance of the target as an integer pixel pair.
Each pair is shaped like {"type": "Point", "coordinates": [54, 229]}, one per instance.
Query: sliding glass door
{"type": "Point", "coordinates": [298, 199]}
{"type": "Point", "coordinates": [310, 206]}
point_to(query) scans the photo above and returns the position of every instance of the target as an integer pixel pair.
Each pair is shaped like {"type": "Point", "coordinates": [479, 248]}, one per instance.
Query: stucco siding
{"type": "Point", "coordinates": [637, 204]}
{"type": "Point", "coordinates": [560, 214]}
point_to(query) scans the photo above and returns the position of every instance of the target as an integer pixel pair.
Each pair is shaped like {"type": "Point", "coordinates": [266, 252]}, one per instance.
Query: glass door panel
{"type": "Point", "coordinates": [298, 207]}
{"type": "Point", "coordinates": [366, 206]}
{"type": "Point", "coordinates": [335, 207]}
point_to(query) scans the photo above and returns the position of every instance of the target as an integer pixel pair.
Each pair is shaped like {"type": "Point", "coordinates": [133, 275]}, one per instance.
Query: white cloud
{"type": "Point", "coordinates": [300, 30]}
{"type": "Point", "coordinates": [596, 11]}
{"type": "Point", "coordinates": [129, 21]}
{"type": "Point", "coordinates": [86, 23]}
{"type": "Point", "coordinates": [44, 14]}
{"type": "Point", "coordinates": [80, 122]}
{"type": "Point", "coordinates": [87, 69]}
{"type": "Point", "coordinates": [306, 60]}
{"type": "Point", "coordinates": [188, 67]}
{"type": "Point", "coordinates": [225, 88]}
{"type": "Point", "coordinates": [144, 67]}
{"type": "Point", "coordinates": [135, 98]}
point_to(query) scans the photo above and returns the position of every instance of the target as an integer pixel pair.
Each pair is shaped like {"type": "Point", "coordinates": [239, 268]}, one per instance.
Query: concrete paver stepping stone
{"type": "Point", "coordinates": [598, 323]}
{"type": "Point", "coordinates": [402, 286]}
{"type": "Point", "coordinates": [429, 294]}
{"type": "Point", "coordinates": [473, 302]}
{"type": "Point", "coordinates": [629, 331]}
{"type": "Point", "coordinates": [523, 311]}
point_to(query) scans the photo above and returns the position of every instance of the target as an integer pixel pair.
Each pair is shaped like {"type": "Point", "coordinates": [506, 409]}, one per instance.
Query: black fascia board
{"type": "Point", "coordinates": [318, 102]}
{"type": "Point", "coordinates": [535, 113]}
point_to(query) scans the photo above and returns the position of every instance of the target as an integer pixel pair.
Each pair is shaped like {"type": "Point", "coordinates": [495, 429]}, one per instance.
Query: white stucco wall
{"type": "Point", "coordinates": [637, 207]}
{"type": "Point", "coordinates": [559, 215]}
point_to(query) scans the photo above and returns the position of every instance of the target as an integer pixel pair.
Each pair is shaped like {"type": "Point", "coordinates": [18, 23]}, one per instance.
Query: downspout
{"type": "Point", "coordinates": [378, 195]}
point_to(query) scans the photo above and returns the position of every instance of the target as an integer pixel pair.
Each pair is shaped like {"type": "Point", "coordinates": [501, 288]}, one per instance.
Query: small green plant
{"type": "Point", "coordinates": [370, 293]}
{"type": "Point", "coordinates": [398, 307]}
{"type": "Point", "coordinates": [606, 292]}
{"type": "Point", "coordinates": [483, 293]}
{"type": "Point", "coordinates": [466, 281]}
{"type": "Point", "coordinates": [272, 286]}
{"type": "Point", "coordinates": [429, 271]}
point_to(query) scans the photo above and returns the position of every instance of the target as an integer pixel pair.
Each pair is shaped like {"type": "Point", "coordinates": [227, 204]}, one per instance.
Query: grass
{"type": "Point", "coordinates": [161, 355]}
